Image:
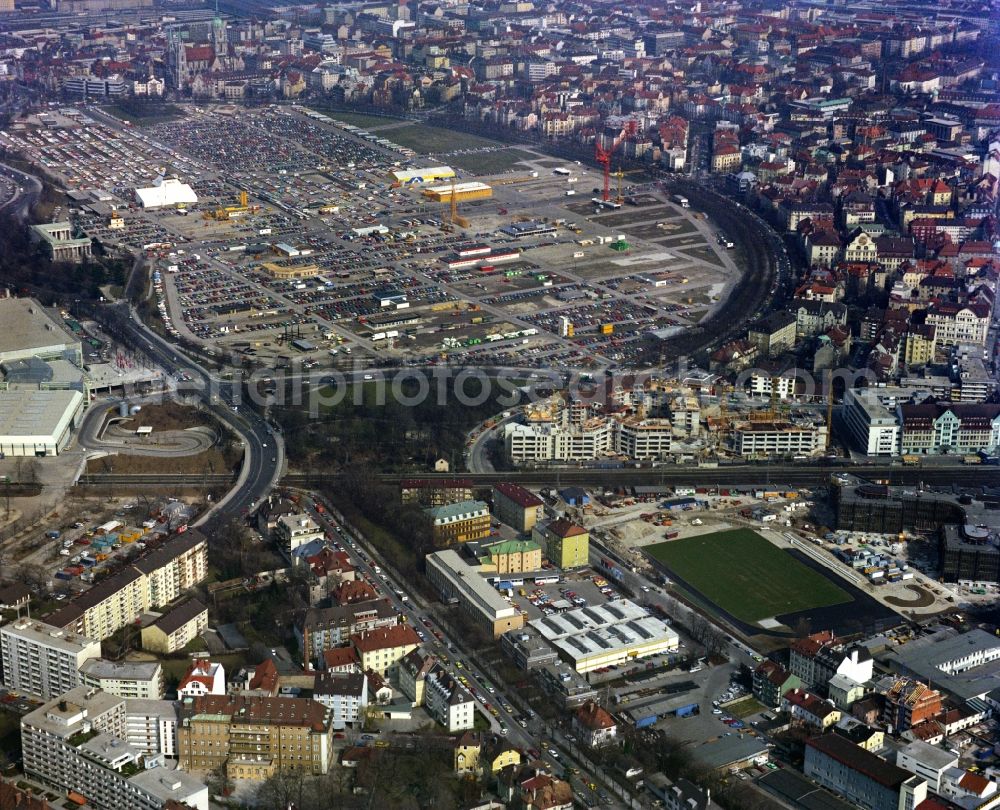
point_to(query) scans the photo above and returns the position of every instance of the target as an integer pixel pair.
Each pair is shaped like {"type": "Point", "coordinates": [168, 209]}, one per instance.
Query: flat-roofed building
{"type": "Point", "coordinates": [517, 506]}
{"type": "Point", "coordinates": [43, 660]}
{"type": "Point", "coordinates": [38, 421]}
{"type": "Point", "coordinates": [606, 635]}
{"type": "Point", "coordinates": [151, 725]}
{"type": "Point", "coordinates": [59, 242]}
{"type": "Point", "coordinates": [292, 531]}
{"type": "Point", "coordinates": [344, 693]}
{"type": "Point", "coordinates": [455, 580]}
{"type": "Point", "coordinates": [874, 428]}
{"type": "Point", "coordinates": [77, 745]}
{"type": "Point", "coordinates": [255, 737]}
{"type": "Point", "coordinates": [30, 331]}
{"type": "Point", "coordinates": [126, 679]}
{"type": "Point", "coordinates": [176, 628]}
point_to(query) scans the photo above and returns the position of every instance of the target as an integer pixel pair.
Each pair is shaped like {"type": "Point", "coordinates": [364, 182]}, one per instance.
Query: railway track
{"type": "Point", "coordinates": [775, 476]}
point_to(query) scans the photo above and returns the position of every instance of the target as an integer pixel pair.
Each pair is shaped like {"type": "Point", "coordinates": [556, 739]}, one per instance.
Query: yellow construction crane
{"type": "Point", "coordinates": [221, 214]}
{"type": "Point", "coordinates": [462, 222]}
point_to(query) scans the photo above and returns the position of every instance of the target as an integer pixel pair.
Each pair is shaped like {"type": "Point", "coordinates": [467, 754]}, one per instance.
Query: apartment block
{"type": "Point", "coordinates": [447, 701]}
{"type": "Point", "coordinates": [381, 649]}
{"type": "Point", "coordinates": [176, 628]}
{"type": "Point", "coordinates": [151, 725]}
{"type": "Point", "coordinates": [873, 427]}
{"type": "Point", "coordinates": [153, 580]}
{"type": "Point", "coordinates": [435, 491]}
{"type": "Point", "coordinates": [460, 522]}
{"type": "Point", "coordinates": [566, 544]}
{"type": "Point", "coordinates": [944, 427]}
{"type": "Point", "coordinates": [126, 679]}
{"type": "Point", "coordinates": [864, 779]}
{"type": "Point", "coordinates": [77, 746]}
{"type": "Point", "coordinates": [514, 556]}
{"type": "Point", "coordinates": [292, 531]}
{"type": "Point", "coordinates": [764, 439]}
{"type": "Point", "coordinates": [345, 694]}
{"type": "Point", "coordinates": [516, 506]}
{"type": "Point", "coordinates": [327, 628]}
{"type": "Point", "coordinates": [43, 660]}
{"type": "Point", "coordinates": [254, 737]}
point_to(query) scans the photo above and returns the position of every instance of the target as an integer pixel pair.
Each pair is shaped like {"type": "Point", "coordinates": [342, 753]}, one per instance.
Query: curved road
{"type": "Point", "coordinates": [263, 451]}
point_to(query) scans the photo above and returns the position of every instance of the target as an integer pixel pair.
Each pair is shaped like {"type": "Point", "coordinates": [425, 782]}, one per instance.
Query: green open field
{"type": "Point", "coordinates": [357, 119]}
{"type": "Point", "coordinates": [426, 139]}
{"type": "Point", "coordinates": [746, 576]}
{"type": "Point", "coordinates": [487, 162]}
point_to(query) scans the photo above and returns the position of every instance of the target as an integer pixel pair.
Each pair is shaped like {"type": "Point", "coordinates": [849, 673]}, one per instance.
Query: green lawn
{"type": "Point", "coordinates": [356, 119]}
{"type": "Point", "coordinates": [488, 162]}
{"type": "Point", "coordinates": [424, 139]}
{"type": "Point", "coordinates": [747, 576]}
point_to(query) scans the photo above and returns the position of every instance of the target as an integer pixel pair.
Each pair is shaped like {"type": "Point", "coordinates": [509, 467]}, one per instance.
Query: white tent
{"type": "Point", "coordinates": [164, 192]}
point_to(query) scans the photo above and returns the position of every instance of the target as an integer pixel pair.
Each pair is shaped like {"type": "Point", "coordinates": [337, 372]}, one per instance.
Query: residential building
{"type": "Point", "coordinates": [202, 678]}
{"type": "Point", "coordinates": [908, 703]}
{"type": "Point", "coordinates": [817, 317]}
{"type": "Point", "coordinates": [447, 701]}
{"type": "Point", "coordinates": [435, 491]}
{"type": "Point", "coordinates": [864, 779]}
{"type": "Point", "coordinates": [345, 694]}
{"type": "Point", "coordinates": [176, 628]}
{"type": "Point", "coordinates": [513, 556]}
{"type": "Point", "coordinates": [327, 628]}
{"type": "Point", "coordinates": [126, 679]}
{"type": "Point", "coordinates": [412, 674]}
{"type": "Point", "coordinates": [759, 439]}
{"type": "Point", "coordinates": [874, 429]}
{"type": "Point", "coordinates": [516, 506]}
{"type": "Point", "coordinates": [463, 584]}
{"type": "Point", "coordinates": [845, 691]}
{"type": "Point", "coordinates": [943, 427]}
{"type": "Point", "coordinates": [594, 725]}
{"type": "Point", "coordinates": [460, 522]}
{"type": "Point", "coordinates": [292, 531]}
{"type": "Point", "coordinates": [76, 745]}
{"type": "Point", "coordinates": [151, 726]}
{"type": "Point", "coordinates": [861, 734]}
{"type": "Point", "coordinates": [770, 683]}
{"type": "Point", "coordinates": [774, 334]}
{"type": "Point", "coordinates": [566, 544]}
{"type": "Point", "coordinates": [42, 660]}
{"type": "Point", "coordinates": [810, 710]}
{"type": "Point", "coordinates": [929, 762]}
{"type": "Point", "coordinates": [254, 738]}
{"type": "Point", "coordinates": [381, 649]}
{"type": "Point", "coordinates": [157, 578]}
{"type": "Point", "coordinates": [959, 323]}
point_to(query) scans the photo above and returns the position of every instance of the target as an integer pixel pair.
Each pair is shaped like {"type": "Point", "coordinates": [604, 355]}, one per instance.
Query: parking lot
{"type": "Point", "coordinates": [324, 249]}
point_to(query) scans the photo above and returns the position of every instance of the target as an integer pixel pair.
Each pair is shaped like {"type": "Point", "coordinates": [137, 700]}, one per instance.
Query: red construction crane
{"type": "Point", "coordinates": [603, 156]}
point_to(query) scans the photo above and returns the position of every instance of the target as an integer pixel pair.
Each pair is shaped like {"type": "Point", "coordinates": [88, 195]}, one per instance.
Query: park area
{"type": "Point", "coordinates": [746, 576]}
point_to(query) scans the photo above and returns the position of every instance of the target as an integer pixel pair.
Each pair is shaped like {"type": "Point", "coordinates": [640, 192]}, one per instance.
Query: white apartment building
{"type": "Point", "coordinates": [874, 427]}
{"type": "Point", "coordinates": [77, 744]}
{"type": "Point", "coordinates": [127, 679]}
{"type": "Point", "coordinates": [954, 324]}
{"type": "Point", "coordinates": [644, 439]}
{"type": "Point", "coordinates": [558, 442]}
{"type": "Point", "coordinates": [151, 725]}
{"type": "Point", "coordinates": [929, 762]}
{"type": "Point", "coordinates": [345, 694]}
{"type": "Point", "coordinates": [43, 660]}
{"type": "Point", "coordinates": [292, 531]}
{"type": "Point", "coordinates": [447, 701]}
{"type": "Point", "coordinates": [764, 439]}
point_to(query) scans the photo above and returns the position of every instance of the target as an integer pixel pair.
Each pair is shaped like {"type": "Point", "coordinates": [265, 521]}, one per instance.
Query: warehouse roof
{"type": "Point", "coordinates": [28, 325]}
{"type": "Point", "coordinates": [30, 413]}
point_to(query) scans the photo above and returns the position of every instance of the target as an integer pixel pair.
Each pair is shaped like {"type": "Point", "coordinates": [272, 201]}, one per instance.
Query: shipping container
{"type": "Point", "coordinates": [646, 722]}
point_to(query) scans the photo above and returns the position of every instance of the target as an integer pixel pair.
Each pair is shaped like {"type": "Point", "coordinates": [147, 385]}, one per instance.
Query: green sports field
{"type": "Point", "coordinates": [746, 576]}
